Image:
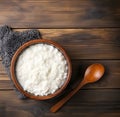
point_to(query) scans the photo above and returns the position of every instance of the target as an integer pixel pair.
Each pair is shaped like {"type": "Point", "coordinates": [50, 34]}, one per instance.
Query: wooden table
{"type": "Point", "coordinates": [89, 30]}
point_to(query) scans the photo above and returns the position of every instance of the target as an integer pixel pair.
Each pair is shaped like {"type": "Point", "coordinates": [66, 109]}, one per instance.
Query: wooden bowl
{"type": "Point", "coordinates": [13, 66]}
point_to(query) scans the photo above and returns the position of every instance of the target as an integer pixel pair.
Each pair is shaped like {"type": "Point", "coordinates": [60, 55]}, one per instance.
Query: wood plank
{"type": "Point", "coordinates": [88, 114]}
{"type": "Point", "coordinates": [85, 102]}
{"type": "Point", "coordinates": [2, 69]}
{"type": "Point", "coordinates": [60, 13]}
{"type": "Point", "coordinates": [4, 77]}
{"type": "Point", "coordinates": [6, 85]}
{"type": "Point", "coordinates": [111, 79]}
{"type": "Point", "coordinates": [86, 43]}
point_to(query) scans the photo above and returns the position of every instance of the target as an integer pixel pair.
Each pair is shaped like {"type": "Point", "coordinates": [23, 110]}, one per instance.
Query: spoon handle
{"type": "Point", "coordinates": [59, 104]}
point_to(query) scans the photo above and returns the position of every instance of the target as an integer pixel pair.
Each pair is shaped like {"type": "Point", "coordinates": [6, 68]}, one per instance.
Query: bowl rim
{"type": "Point", "coordinates": [16, 56]}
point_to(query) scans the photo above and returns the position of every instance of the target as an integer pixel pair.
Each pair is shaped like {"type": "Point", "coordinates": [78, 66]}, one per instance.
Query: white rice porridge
{"type": "Point", "coordinates": [41, 69]}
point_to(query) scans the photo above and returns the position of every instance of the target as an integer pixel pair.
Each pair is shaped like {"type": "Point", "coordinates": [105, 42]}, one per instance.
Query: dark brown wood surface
{"type": "Point", "coordinates": [60, 13]}
{"type": "Point", "coordinates": [89, 30]}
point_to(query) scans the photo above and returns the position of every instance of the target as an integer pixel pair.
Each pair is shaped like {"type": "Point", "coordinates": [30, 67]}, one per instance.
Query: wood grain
{"type": "Point", "coordinates": [111, 79]}
{"type": "Point", "coordinates": [60, 14]}
{"type": "Point", "coordinates": [85, 47]}
{"type": "Point", "coordinates": [88, 114]}
{"type": "Point", "coordinates": [100, 102]}
{"type": "Point", "coordinates": [86, 43]}
{"type": "Point", "coordinates": [89, 30]}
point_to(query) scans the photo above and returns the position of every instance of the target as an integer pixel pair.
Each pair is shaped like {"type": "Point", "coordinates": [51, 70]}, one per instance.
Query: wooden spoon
{"type": "Point", "coordinates": [93, 73]}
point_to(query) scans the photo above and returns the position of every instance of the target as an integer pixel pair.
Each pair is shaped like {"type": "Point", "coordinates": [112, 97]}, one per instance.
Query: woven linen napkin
{"type": "Point", "coordinates": [10, 41]}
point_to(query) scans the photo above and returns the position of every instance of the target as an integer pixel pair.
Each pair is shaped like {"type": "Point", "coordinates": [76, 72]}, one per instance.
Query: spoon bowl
{"type": "Point", "coordinates": [93, 73]}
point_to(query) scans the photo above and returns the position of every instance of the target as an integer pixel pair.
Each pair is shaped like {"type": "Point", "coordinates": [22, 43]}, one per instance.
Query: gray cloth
{"type": "Point", "coordinates": [10, 41]}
